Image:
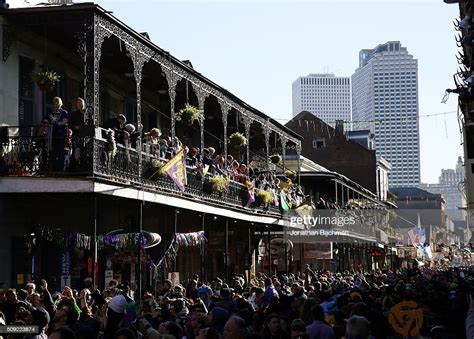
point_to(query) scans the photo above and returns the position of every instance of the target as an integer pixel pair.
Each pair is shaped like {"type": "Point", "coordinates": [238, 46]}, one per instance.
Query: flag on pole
{"type": "Point", "coordinates": [414, 236]}
{"type": "Point", "coordinates": [422, 236]}
{"type": "Point", "coordinates": [176, 169]}
{"type": "Point", "coordinates": [428, 253]}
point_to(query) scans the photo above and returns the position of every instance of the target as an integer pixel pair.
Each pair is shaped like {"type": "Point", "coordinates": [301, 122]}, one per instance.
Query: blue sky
{"type": "Point", "coordinates": [256, 49]}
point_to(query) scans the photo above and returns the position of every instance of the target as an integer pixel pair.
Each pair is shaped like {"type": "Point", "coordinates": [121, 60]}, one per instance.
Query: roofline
{"type": "Point", "coordinates": [97, 8]}
{"type": "Point", "coordinates": [329, 126]}
{"type": "Point", "coordinates": [335, 175]}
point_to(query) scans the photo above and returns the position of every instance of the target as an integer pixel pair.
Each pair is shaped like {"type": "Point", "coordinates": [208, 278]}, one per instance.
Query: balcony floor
{"type": "Point", "coordinates": [95, 185]}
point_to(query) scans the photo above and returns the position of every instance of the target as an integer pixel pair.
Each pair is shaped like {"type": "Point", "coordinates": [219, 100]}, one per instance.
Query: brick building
{"type": "Point", "coordinates": [329, 147]}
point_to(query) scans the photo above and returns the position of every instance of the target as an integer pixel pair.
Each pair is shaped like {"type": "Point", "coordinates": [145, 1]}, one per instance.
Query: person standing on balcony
{"type": "Point", "coordinates": [208, 156]}
{"type": "Point", "coordinates": [219, 165]}
{"type": "Point", "coordinates": [192, 159]}
{"type": "Point", "coordinates": [153, 140]}
{"type": "Point", "coordinates": [58, 118]}
{"type": "Point", "coordinates": [76, 123]}
{"type": "Point", "coordinates": [117, 125]}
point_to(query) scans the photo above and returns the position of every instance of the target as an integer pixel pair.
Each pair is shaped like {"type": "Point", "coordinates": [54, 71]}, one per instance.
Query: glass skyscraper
{"type": "Point", "coordinates": [385, 100]}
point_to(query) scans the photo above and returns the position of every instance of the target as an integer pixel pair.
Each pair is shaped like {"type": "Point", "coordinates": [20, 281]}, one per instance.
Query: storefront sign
{"type": "Point", "coordinates": [19, 279]}
{"type": "Point", "coordinates": [65, 262]}
{"type": "Point", "coordinates": [109, 275]}
{"type": "Point", "coordinates": [65, 281]}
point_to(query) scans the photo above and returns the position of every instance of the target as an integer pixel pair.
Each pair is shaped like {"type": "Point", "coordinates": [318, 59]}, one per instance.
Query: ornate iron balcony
{"type": "Point", "coordinates": [25, 152]}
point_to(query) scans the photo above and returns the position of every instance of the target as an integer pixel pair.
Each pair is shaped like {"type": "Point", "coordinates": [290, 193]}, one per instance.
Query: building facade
{"type": "Point", "coordinates": [330, 148]}
{"type": "Point", "coordinates": [325, 95]}
{"type": "Point", "coordinates": [451, 185]}
{"type": "Point", "coordinates": [385, 100]}
{"type": "Point", "coordinates": [58, 222]}
{"type": "Point", "coordinates": [462, 86]}
{"type": "Point", "coordinates": [424, 210]}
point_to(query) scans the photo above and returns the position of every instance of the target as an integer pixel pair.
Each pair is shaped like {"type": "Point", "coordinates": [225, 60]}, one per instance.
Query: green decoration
{"type": "Point", "coordinates": [237, 139]}
{"type": "Point", "coordinates": [46, 80]}
{"type": "Point", "coordinates": [189, 114]}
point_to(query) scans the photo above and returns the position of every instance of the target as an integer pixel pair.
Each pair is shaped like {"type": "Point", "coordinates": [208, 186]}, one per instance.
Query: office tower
{"type": "Point", "coordinates": [385, 100]}
{"type": "Point", "coordinates": [325, 95]}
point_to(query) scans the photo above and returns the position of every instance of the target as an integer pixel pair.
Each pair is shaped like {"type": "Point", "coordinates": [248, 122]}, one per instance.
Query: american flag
{"type": "Point", "coordinates": [414, 236]}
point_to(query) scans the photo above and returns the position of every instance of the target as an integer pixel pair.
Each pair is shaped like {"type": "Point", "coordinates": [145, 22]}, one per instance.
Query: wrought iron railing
{"type": "Point", "coordinates": [31, 151]}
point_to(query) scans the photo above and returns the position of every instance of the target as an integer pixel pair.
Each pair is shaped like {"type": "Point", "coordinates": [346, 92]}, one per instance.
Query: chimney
{"type": "Point", "coordinates": [145, 35]}
{"type": "Point", "coordinates": [340, 126]}
{"type": "Point", "coordinates": [60, 2]}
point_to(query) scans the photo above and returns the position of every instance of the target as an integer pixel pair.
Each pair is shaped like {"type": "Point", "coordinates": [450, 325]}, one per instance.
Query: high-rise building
{"type": "Point", "coordinates": [450, 185]}
{"type": "Point", "coordinates": [385, 100]}
{"type": "Point", "coordinates": [325, 95]}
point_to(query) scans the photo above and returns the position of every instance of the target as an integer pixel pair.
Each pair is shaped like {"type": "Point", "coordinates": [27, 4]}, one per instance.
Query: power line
{"type": "Point", "coordinates": [385, 119]}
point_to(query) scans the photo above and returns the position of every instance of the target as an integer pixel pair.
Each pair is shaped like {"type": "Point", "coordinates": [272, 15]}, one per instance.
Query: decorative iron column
{"type": "Point", "coordinates": [85, 47]}
{"type": "Point", "coordinates": [100, 34]}
{"type": "Point", "coordinates": [201, 96]}
{"type": "Point", "coordinates": [284, 140]}
{"type": "Point", "coordinates": [172, 79]}
{"type": "Point", "coordinates": [138, 60]}
{"type": "Point", "coordinates": [298, 154]}
{"type": "Point", "coordinates": [247, 123]}
{"type": "Point", "coordinates": [266, 132]}
{"type": "Point", "coordinates": [225, 107]}
{"type": "Point", "coordinates": [92, 81]}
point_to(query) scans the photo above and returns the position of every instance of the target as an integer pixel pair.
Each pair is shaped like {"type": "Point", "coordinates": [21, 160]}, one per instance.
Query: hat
{"type": "Point", "coordinates": [118, 304]}
{"type": "Point", "coordinates": [210, 150]}
{"type": "Point", "coordinates": [130, 128]}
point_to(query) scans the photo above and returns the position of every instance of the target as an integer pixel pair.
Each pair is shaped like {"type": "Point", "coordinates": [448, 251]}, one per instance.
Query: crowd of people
{"type": "Point", "coordinates": [314, 304]}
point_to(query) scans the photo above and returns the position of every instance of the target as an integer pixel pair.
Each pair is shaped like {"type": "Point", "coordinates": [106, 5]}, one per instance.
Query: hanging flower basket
{"type": "Point", "coordinates": [219, 183]}
{"type": "Point", "coordinates": [275, 159]}
{"type": "Point", "coordinates": [237, 139]}
{"type": "Point", "coordinates": [264, 197]}
{"type": "Point", "coordinates": [189, 114]}
{"type": "Point", "coordinates": [46, 80]}
{"type": "Point", "coordinates": [156, 169]}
